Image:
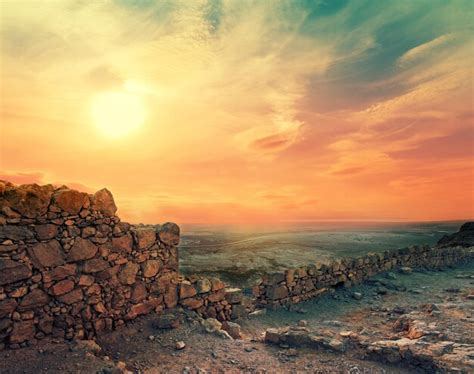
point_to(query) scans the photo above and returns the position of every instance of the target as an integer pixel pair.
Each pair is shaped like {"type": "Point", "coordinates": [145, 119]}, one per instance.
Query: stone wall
{"type": "Point", "coordinates": [296, 285]}
{"type": "Point", "coordinates": [69, 267]}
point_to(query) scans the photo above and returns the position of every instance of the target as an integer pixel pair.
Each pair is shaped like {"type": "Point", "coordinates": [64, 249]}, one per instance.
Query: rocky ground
{"type": "Point", "coordinates": [399, 322]}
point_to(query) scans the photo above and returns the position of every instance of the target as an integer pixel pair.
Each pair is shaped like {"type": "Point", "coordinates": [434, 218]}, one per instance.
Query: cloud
{"type": "Point", "coordinates": [425, 49]}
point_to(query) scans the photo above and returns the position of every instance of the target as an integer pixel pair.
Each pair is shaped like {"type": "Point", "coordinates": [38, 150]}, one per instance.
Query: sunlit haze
{"type": "Point", "coordinates": [244, 111]}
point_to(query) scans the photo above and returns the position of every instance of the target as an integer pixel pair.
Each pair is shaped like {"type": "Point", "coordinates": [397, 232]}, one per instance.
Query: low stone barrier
{"type": "Point", "coordinates": [70, 268]}
{"type": "Point", "coordinates": [296, 285]}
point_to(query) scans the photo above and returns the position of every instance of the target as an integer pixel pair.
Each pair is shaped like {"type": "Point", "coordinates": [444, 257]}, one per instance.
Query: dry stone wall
{"type": "Point", "coordinates": [296, 285]}
{"type": "Point", "coordinates": [70, 268]}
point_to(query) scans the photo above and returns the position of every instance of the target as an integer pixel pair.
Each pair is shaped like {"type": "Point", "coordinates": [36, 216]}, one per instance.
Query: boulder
{"type": "Point", "coordinates": [95, 265]}
{"type": "Point", "coordinates": [62, 287]}
{"type": "Point", "coordinates": [60, 272]}
{"type": "Point", "coordinates": [82, 249]}
{"type": "Point", "coordinates": [70, 201]}
{"type": "Point", "coordinates": [35, 299]}
{"type": "Point", "coordinates": [13, 271]}
{"type": "Point", "coordinates": [128, 273]}
{"type": "Point", "coordinates": [151, 268]}
{"type": "Point", "coordinates": [139, 293]}
{"type": "Point", "coordinates": [46, 254]}
{"type": "Point", "coordinates": [123, 244]}
{"type": "Point", "coordinates": [14, 232]}
{"type": "Point", "coordinates": [6, 307]}
{"type": "Point", "coordinates": [272, 336]}
{"type": "Point", "coordinates": [72, 297]}
{"type": "Point", "coordinates": [22, 331]}
{"type": "Point", "coordinates": [233, 295]}
{"type": "Point", "coordinates": [192, 303]}
{"type": "Point", "coordinates": [186, 290]}
{"type": "Point", "coordinates": [277, 292]}
{"type": "Point", "coordinates": [30, 200]}
{"type": "Point", "coordinates": [203, 285]}
{"type": "Point", "coordinates": [233, 329]}
{"type": "Point", "coordinates": [103, 201]}
{"type": "Point", "coordinates": [145, 238]}
{"type": "Point", "coordinates": [46, 231]}
{"type": "Point", "coordinates": [211, 325]}
{"type": "Point", "coordinates": [169, 234]}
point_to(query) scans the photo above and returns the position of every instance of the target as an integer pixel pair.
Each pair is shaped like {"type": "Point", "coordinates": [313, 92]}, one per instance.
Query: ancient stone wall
{"type": "Point", "coordinates": [296, 285]}
{"type": "Point", "coordinates": [69, 267]}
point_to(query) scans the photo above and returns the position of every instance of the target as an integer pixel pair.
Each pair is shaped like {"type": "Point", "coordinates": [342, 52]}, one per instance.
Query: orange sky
{"type": "Point", "coordinates": [253, 112]}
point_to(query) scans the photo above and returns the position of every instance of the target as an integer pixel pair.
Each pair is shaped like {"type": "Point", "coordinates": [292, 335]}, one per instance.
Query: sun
{"type": "Point", "coordinates": [117, 114]}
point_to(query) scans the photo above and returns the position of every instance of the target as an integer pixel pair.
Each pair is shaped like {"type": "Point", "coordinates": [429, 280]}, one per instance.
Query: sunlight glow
{"type": "Point", "coordinates": [117, 114]}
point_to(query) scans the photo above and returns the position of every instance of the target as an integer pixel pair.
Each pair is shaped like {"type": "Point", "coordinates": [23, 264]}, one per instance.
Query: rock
{"type": "Point", "coordinates": [180, 345]}
{"type": "Point", "coordinates": [192, 303]}
{"type": "Point", "coordinates": [6, 307]}
{"type": "Point", "coordinates": [453, 290]}
{"type": "Point", "coordinates": [464, 237]}
{"type": "Point", "coordinates": [258, 312]}
{"type": "Point", "coordinates": [405, 270]}
{"type": "Point", "coordinates": [223, 334]}
{"type": "Point", "coordinates": [30, 200]}
{"type": "Point", "coordinates": [145, 238]}
{"type": "Point", "coordinates": [22, 331]}
{"type": "Point", "coordinates": [233, 295]}
{"type": "Point", "coordinates": [72, 297]}
{"type": "Point", "coordinates": [337, 345]}
{"type": "Point", "coordinates": [88, 231]}
{"type": "Point", "coordinates": [86, 280]}
{"type": "Point", "coordinates": [238, 311]}
{"type": "Point", "coordinates": [35, 299]}
{"type": "Point", "coordinates": [13, 271]}
{"type": "Point", "coordinates": [95, 265]}
{"type": "Point", "coordinates": [302, 323]}
{"type": "Point", "coordinates": [14, 232]}
{"type": "Point", "coordinates": [151, 268]}
{"type": "Point", "coordinates": [82, 249]}
{"type": "Point", "coordinates": [441, 348]}
{"type": "Point", "coordinates": [169, 234]}
{"type": "Point", "coordinates": [128, 273]}
{"type": "Point", "coordinates": [123, 244]}
{"type": "Point", "coordinates": [233, 329]}
{"type": "Point", "coordinates": [211, 325]}
{"type": "Point", "coordinates": [46, 254]}
{"type": "Point", "coordinates": [103, 201]}
{"type": "Point", "coordinates": [86, 346]}
{"type": "Point", "coordinates": [217, 284]}
{"type": "Point", "coordinates": [62, 287]}
{"type": "Point", "coordinates": [357, 295]}
{"type": "Point", "coordinates": [186, 289]}
{"type": "Point", "coordinates": [272, 336]}
{"type": "Point", "coordinates": [203, 285]}
{"type": "Point", "coordinates": [70, 201]}
{"type": "Point", "coordinates": [46, 231]}
{"type": "Point", "coordinates": [277, 292]}
{"type": "Point", "coordinates": [167, 321]}
{"type": "Point", "coordinates": [139, 293]}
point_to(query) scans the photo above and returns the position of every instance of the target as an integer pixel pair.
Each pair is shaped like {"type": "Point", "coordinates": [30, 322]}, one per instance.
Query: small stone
{"type": "Point", "coordinates": [357, 295]}
{"type": "Point", "coordinates": [405, 270]}
{"type": "Point", "coordinates": [180, 345]}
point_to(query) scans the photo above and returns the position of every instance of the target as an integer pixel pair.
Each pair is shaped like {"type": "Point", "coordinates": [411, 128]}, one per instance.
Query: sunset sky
{"type": "Point", "coordinates": [240, 111]}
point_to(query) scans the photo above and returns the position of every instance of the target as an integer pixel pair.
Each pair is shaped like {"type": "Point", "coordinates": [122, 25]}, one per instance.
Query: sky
{"type": "Point", "coordinates": [239, 111]}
